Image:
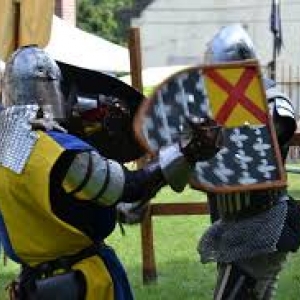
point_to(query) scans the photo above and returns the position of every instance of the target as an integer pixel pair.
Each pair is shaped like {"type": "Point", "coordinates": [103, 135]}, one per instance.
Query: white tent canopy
{"type": "Point", "coordinates": [76, 47]}
{"type": "Point", "coordinates": [2, 65]}
{"type": "Point", "coordinates": [153, 76]}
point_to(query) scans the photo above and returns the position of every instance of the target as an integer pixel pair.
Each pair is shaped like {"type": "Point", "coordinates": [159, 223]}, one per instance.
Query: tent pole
{"type": "Point", "coordinates": [135, 58]}
{"type": "Point", "coordinates": [17, 12]}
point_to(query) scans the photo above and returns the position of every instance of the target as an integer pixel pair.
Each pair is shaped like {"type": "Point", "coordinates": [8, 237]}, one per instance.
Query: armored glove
{"type": "Point", "coordinates": [174, 165]}
{"type": "Point", "coordinates": [131, 213]}
{"type": "Point", "coordinates": [202, 141]}
{"type": "Point", "coordinates": [140, 187]}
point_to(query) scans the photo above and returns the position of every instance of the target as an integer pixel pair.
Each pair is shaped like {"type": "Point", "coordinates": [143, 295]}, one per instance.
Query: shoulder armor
{"type": "Point", "coordinates": [280, 103]}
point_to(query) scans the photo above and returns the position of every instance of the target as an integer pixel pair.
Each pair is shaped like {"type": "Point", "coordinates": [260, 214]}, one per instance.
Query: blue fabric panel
{"type": "Point", "coordinates": [6, 242]}
{"type": "Point", "coordinates": [68, 141]}
{"type": "Point", "coordinates": [122, 288]}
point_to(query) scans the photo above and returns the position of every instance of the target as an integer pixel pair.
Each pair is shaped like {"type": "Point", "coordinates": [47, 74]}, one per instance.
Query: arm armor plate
{"type": "Point", "coordinates": [93, 177]}
{"type": "Point", "coordinates": [283, 115]}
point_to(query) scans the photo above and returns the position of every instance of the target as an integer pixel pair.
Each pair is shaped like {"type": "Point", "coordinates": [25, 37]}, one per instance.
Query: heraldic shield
{"type": "Point", "coordinates": [234, 96]}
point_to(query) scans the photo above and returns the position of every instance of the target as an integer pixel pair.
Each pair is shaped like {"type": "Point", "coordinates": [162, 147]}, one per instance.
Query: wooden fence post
{"type": "Point", "coordinates": [148, 254]}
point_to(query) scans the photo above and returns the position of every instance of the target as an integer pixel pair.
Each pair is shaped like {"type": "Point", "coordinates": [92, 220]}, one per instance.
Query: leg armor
{"type": "Point", "coordinates": [265, 269]}
{"type": "Point", "coordinates": [250, 279]}
{"type": "Point", "coordinates": [233, 284]}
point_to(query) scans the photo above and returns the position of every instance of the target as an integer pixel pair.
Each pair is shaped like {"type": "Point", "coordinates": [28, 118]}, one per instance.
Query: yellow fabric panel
{"type": "Point", "coordinates": [34, 24]}
{"type": "Point", "coordinates": [99, 282]}
{"type": "Point", "coordinates": [37, 235]}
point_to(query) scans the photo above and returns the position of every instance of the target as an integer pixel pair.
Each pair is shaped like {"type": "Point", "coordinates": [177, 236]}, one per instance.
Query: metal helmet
{"type": "Point", "coordinates": [231, 43]}
{"type": "Point", "coordinates": [32, 78]}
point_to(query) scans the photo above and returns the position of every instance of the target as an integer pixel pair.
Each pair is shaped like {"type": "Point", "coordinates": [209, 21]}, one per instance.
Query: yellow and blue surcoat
{"type": "Point", "coordinates": [39, 222]}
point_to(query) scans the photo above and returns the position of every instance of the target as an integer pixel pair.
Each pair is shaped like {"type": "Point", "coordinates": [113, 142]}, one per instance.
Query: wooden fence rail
{"type": "Point", "coordinates": [169, 209]}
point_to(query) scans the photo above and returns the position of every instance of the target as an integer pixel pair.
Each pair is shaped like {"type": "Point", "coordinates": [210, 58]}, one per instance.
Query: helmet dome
{"type": "Point", "coordinates": [231, 43]}
{"type": "Point", "coordinates": [32, 77]}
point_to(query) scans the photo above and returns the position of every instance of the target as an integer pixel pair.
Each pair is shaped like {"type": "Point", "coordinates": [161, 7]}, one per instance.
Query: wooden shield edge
{"type": "Point", "coordinates": [145, 106]}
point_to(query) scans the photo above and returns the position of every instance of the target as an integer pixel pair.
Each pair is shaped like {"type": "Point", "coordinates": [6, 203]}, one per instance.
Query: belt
{"type": "Point", "coordinates": [256, 207]}
{"type": "Point", "coordinates": [240, 206]}
{"type": "Point", "coordinates": [64, 263]}
{"type": "Point", "coordinates": [24, 285]}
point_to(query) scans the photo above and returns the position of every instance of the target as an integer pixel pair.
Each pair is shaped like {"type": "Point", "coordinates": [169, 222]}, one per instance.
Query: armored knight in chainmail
{"type": "Point", "coordinates": [250, 240]}
{"type": "Point", "coordinates": [58, 195]}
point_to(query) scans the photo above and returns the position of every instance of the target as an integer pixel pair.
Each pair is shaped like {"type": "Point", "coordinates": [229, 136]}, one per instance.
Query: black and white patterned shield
{"type": "Point", "coordinates": [233, 95]}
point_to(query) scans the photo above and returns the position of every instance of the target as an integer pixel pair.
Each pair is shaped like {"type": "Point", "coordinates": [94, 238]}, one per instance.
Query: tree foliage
{"type": "Point", "coordinates": [102, 17]}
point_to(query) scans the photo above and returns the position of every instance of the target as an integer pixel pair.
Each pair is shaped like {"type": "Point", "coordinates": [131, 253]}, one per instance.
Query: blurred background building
{"type": "Point", "coordinates": [66, 9]}
{"type": "Point", "coordinates": [175, 32]}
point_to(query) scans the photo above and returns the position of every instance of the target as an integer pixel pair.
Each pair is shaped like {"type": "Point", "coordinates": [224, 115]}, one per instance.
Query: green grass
{"type": "Point", "coordinates": [180, 274]}
{"type": "Point", "coordinates": [7, 273]}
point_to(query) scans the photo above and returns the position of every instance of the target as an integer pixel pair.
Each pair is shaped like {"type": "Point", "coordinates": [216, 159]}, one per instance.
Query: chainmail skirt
{"type": "Point", "coordinates": [228, 241]}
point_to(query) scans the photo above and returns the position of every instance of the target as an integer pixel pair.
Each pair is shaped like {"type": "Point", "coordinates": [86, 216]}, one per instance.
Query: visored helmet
{"type": "Point", "coordinates": [231, 43]}
{"type": "Point", "coordinates": [31, 77]}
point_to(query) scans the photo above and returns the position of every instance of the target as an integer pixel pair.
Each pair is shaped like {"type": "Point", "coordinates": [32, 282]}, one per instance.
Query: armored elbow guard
{"type": "Point", "coordinates": [283, 115]}
{"type": "Point", "coordinates": [94, 178]}
{"type": "Point", "coordinates": [280, 103]}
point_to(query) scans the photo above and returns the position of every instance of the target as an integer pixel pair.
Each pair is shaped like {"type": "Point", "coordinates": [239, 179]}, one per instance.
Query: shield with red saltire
{"type": "Point", "coordinates": [234, 96]}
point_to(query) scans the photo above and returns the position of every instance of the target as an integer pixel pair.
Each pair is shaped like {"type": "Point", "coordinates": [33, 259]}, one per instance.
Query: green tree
{"type": "Point", "coordinates": [102, 17]}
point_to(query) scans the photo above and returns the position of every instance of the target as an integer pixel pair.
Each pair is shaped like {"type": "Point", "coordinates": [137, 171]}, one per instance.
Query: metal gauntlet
{"type": "Point", "coordinates": [174, 166]}
{"type": "Point", "coordinates": [203, 140]}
